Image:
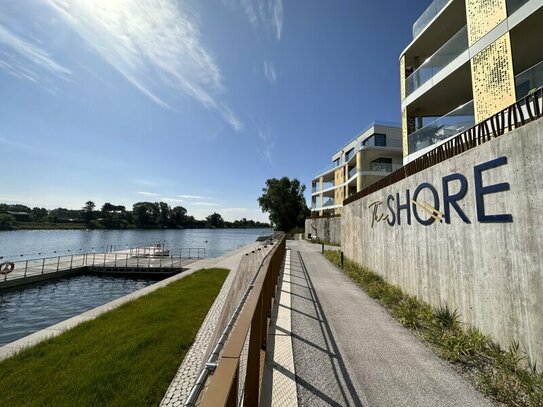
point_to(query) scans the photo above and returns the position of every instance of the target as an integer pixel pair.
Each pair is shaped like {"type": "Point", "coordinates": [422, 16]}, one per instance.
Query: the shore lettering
{"type": "Point", "coordinates": [408, 204]}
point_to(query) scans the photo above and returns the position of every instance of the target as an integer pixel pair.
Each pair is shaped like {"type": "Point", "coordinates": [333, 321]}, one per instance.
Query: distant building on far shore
{"type": "Point", "coordinates": [373, 154]}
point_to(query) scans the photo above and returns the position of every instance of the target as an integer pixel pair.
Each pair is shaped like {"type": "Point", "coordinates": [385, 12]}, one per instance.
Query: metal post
{"type": "Point", "coordinates": [322, 251]}
{"type": "Point", "coordinates": [58, 262]}
{"type": "Point", "coordinates": [104, 260]}
{"type": "Point", "coordinates": [115, 259]}
{"type": "Point", "coordinates": [160, 264]}
{"type": "Point", "coordinates": [149, 263]}
{"type": "Point", "coordinates": [126, 264]}
{"type": "Point", "coordinates": [71, 261]}
{"type": "Point", "coordinates": [342, 264]}
{"type": "Point", "coordinates": [93, 256]}
{"type": "Point", "coordinates": [137, 261]}
{"type": "Point", "coordinates": [189, 253]}
{"type": "Point", "coordinates": [26, 267]}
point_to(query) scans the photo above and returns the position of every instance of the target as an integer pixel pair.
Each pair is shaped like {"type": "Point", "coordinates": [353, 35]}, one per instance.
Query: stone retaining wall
{"type": "Point", "coordinates": [326, 229]}
{"type": "Point", "coordinates": [485, 258]}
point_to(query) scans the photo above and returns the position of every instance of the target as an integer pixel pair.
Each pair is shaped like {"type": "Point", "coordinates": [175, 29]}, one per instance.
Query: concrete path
{"type": "Point", "coordinates": [348, 351]}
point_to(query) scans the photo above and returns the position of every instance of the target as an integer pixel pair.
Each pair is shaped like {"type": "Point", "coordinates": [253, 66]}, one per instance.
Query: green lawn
{"type": "Point", "coordinates": [126, 357]}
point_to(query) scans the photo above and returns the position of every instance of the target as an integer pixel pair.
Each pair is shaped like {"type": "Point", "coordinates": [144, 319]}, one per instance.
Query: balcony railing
{"type": "Point", "coordinates": [427, 16]}
{"type": "Point", "coordinates": [439, 60]}
{"type": "Point", "coordinates": [454, 122]}
{"type": "Point", "coordinates": [529, 80]}
{"type": "Point", "coordinates": [352, 172]}
{"type": "Point", "coordinates": [329, 202]}
{"type": "Point", "coordinates": [384, 167]}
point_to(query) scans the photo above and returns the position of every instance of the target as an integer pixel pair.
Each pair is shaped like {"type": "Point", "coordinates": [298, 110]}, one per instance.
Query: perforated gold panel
{"type": "Point", "coordinates": [402, 77]}
{"type": "Point", "coordinates": [404, 132]}
{"type": "Point", "coordinates": [493, 81]}
{"type": "Point", "coordinates": [339, 178]}
{"type": "Point", "coordinates": [483, 16]}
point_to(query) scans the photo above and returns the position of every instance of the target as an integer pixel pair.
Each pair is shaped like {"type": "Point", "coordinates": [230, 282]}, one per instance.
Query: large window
{"type": "Point", "coordinates": [381, 165]}
{"type": "Point", "coordinates": [376, 140]}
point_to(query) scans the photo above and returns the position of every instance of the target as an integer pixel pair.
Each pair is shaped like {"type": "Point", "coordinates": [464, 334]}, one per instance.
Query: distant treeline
{"type": "Point", "coordinates": [144, 215]}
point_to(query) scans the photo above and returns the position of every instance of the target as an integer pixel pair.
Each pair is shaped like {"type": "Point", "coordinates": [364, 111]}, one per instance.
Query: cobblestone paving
{"type": "Point", "coordinates": [190, 368]}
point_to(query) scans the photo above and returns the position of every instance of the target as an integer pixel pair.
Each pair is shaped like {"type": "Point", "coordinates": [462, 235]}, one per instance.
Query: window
{"type": "Point", "coordinates": [376, 140]}
{"type": "Point", "coordinates": [381, 165]}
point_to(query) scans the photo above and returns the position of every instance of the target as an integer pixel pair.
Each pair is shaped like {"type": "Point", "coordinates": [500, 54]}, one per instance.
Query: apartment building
{"type": "Point", "coordinates": [468, 60]}
{"type": "Point", "coordinates": [373, 154]}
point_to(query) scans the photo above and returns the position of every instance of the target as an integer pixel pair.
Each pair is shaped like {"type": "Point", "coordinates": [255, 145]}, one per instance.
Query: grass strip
{"type": "Point", "coordinates": [507, 376]}
{"type": "Point", "coordinates": [125, 357]}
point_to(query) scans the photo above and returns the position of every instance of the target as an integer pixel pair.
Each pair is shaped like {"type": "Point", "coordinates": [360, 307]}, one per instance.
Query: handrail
{"type": "Point", "coordinates": [253, 320]}
{"type": "Point", "coordinates": [521, 112]}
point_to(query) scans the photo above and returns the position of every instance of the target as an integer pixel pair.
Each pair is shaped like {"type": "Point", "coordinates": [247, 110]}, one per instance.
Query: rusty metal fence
{"type": "Point", "coordinates": [523, 111]}
{"type": "Point", "coordinates": [238, 374]}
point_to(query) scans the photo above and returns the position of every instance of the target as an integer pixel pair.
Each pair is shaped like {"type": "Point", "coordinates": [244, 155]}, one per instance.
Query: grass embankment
{"type": "Point", "coordinates": [505, 375]}
{"type": "Point", "coordinates": [126, 357]}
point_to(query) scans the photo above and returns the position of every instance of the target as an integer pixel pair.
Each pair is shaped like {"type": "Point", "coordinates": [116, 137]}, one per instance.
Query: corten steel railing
{"type": "Point", "coordinates": [252, 325]}
{"type": "Point", "coordinates": [130, 259]}
{"type": "Point", "coordinates": [523, 111]}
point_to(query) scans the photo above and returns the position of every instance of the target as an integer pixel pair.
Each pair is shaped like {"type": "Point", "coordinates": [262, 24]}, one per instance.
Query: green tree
{"type": "Point", "coordinates": [284, 200]}
{"type": "Point", "coordinates": [178, 217]}
{"type": "Point", "coordinates": [88, 210]}
{"type": "Point", "coordinates": [215, 220]}
{"type": "Point", "coordinates": [7, 222]}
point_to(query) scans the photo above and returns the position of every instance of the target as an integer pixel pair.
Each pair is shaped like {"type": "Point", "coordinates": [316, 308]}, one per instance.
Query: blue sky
{"type": "Point", "coordinates": [195, 103]}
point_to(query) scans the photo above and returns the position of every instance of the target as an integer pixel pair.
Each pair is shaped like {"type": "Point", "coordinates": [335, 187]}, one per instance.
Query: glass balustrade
{"type": "Point", "coordinates": [384, 167]}
{"type": "Point", "coordinates": [352, 172]}
{"type": "Point", "coordinates": [455, 122]}
{"type": "Point", "coordinates": [529, 80]}
{"type": "Point", "coordinates": [428, 15]}
{"type": "Point", "coordinates": [514, 5]}
{"type": "Point", "coordinates": [439, 60]}
{"type": "Point", "coordinates": [328, 202]}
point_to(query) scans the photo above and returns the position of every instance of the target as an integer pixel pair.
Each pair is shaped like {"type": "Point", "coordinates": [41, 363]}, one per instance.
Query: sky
{"type": "Point", "coordinates": [194, 103]}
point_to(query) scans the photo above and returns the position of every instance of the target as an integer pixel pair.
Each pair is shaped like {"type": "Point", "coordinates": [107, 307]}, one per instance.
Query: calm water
{"type": "Point", "coordinates": [30, 244]}
{"type": "Point", "coordinates": [30, 308]}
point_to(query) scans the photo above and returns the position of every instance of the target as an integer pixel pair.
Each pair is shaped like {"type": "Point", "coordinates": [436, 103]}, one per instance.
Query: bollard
{"type": "Point", "coordinates": [341, 261]}
{"type": "Point", "coordinates": [322, 251]}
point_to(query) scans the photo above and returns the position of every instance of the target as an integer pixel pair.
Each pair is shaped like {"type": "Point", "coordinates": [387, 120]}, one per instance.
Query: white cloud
{"type": "Point", "coordinates": [269, 72]}
{"type": "Point", "coordinates": [172, 200]}
{"type": "Point", "coordinates": [268, 144]}
{"type": "Point", "coordinates": [155, 44]}
{"type": "Point", "coordinates": [144, 193]}
{"type": "Point", "coordinates": [192, 197]}
{"type": "Point", "coordinates": [205, 204]}
{"type": "Point", "coordinates": [268, 13]}
{"type": "Point", "coordinates": [26, 59]}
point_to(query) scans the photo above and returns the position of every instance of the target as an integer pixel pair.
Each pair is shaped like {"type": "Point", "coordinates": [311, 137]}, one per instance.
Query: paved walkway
{"type": "Point", "coordinates": [348, 351]}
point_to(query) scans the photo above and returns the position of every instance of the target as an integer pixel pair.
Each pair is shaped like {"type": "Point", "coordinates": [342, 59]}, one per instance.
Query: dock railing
{"type": "Point", "coordinates": [129, 259]}
{"type": "Point", "coordinates": [237, 374]}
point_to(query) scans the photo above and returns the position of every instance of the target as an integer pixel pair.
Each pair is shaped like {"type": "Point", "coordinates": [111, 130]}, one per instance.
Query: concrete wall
{"type": "Point", "coordinates": [328, 229]}
{"type": "Point", "coordinates": [491, 272]}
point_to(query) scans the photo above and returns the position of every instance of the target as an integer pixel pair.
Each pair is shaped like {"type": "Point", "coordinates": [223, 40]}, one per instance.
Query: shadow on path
{"type": "Point", "coordinates": [321, 376]}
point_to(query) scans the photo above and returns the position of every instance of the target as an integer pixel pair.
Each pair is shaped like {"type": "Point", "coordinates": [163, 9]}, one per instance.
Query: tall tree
{"type": "Point", "coordinates": [284, 200]}
{"type": "Point", "coordinates": [215, 220]}
{"type": "Point", "coordinates": [88, 209]}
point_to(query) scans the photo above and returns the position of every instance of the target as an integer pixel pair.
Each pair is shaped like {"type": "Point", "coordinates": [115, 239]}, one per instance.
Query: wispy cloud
{"type": "Point", "coordinates": [267, 144]}
{"type": "Point", "coordinates": [269, 72]}
{"type": "Point", "coordinates": [192, 197]}
{"type": "Point", "coordinates": [154, 44]}
{"type": "Point", "coordinates": [26, 59]}
{"type": "Point", "coordinates": [172, 200]}
{"type": "Point", "coordinates": [205, 204]}
{"type": "Point", "coordinates": [266, 13]}
{"type": "Point", "coordinates": [144, 193]}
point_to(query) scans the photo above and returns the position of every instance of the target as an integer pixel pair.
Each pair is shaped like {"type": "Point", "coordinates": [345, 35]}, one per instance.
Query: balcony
{"type": "Point", "coordinates": [529, 80]}
{"type": "Point", "coordinates": [454, 122]}
{"type": "Point", "coordinates": [384, 167]}
{"type": "Point", "coordinates": [439, 60]}
{"type": "Point", "coordinates": [352, 172]}
{"type": "Point", "coordinates": [514, 5]}
{"type": "Point", "coordinates": [329, 202]}
{"type": "Point", "coordinates": [427, 16]}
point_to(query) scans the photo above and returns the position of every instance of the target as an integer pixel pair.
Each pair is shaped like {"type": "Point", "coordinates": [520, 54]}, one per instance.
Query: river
{"type": "Point", "coordinates": [31, 244]}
